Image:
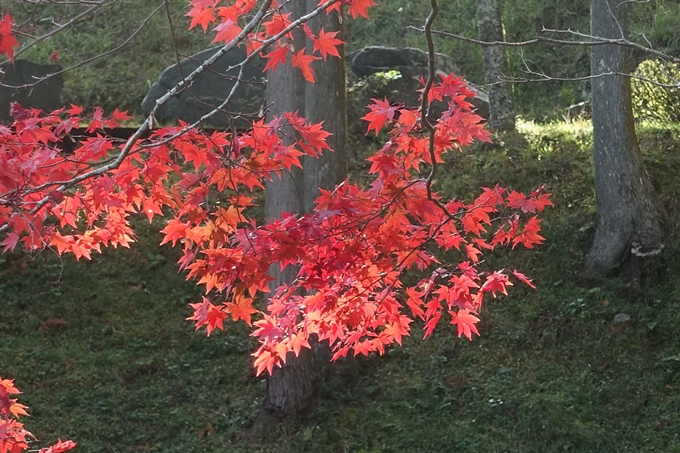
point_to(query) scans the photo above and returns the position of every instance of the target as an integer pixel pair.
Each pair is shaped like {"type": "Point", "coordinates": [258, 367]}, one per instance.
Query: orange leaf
{"type": "Point", "coordinates": [265, 360]}
{"type": "Point", "coordinates": [241, 309]}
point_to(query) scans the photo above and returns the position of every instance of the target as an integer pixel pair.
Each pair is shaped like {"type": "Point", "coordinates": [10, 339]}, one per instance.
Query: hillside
{"type": "Point", "coordinates": [104, 355]}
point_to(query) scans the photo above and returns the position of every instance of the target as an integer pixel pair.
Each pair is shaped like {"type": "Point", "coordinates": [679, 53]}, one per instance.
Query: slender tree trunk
{"type": "Point", "coordinates": [292, 391]}
{"type": "Point", "coordinates": [495, 62]}
{"type": "Point", "coordinates": [325, 101]}
{"type": "Point", "coordinates": [629, 212]}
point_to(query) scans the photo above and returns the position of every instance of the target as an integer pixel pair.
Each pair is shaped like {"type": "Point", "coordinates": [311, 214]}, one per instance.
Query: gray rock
{"type": "Point", "coordinates": [411, 64]}
{"type": "Point", "coordinates": [209, 89]}
{"type": "Point", "coordinates": [406, 60]}
{"type": "Point", "coordinates": [31, 85]}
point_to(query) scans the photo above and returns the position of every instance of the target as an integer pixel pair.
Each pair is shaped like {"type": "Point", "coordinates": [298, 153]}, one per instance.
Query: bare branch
{"type": "Point", "coordinates": [592, 41]}
{"type": "Point", "coordinates": [425, 104]}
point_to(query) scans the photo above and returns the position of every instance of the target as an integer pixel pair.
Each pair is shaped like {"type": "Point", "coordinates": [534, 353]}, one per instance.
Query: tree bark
{"type": "Point", "coordinates": [629, 212]}
{"type": "Point", "coordinates": [325, 101]}
{"type": "Point", "coordinates": [292, 391]}
{"type": "Point", "coordinates": [495, 64]}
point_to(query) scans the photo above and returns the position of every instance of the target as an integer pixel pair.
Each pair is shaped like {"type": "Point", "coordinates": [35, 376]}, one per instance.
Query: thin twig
{"type": "Point", "coordinates": [425, 104]}
{"type": "Point", "coordinates": [592, 41]}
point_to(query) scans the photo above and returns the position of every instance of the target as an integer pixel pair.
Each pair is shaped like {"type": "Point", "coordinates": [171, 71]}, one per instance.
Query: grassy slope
{"type": "Point", "coordinates": [127, 372]}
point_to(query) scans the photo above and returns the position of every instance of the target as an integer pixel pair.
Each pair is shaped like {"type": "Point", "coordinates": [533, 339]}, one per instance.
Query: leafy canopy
{"type": "Point", "coordinates": [350, 252]}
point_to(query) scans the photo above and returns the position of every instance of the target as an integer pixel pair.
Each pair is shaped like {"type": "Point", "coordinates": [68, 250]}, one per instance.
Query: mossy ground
{"type": "Point", "coordinates": [104, 355]}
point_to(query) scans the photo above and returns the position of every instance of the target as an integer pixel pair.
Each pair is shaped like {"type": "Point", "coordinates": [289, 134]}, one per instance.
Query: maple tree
{"type": "Point", "coordinates": [351, 252]}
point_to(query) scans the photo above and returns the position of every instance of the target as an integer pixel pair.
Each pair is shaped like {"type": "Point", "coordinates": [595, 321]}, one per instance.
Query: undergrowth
{"type": "Point", "coordinates": [104, 355]}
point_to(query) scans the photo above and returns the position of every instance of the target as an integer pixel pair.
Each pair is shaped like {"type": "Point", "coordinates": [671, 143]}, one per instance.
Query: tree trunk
{"type": "Point", "coordinates": [495, 63]}
{"type": "Point", "coordinates": [292, 390]}
{"type": "Point", "coordinates": [325, 101]}
{"type": "Point", "coordinates": [629, 212]}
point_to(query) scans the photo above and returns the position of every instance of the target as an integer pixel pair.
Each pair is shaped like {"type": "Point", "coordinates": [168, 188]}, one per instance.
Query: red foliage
{"type": "Point", "coordinates": [7, 40]}
{"type": "Point", "coordinates": [350, 252]}
{"type": "Point", "coordinates": [13, 437]}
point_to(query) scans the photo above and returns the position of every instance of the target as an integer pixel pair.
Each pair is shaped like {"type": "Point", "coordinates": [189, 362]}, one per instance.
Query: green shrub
{"type": "Point", "coordinates": [657, 101]}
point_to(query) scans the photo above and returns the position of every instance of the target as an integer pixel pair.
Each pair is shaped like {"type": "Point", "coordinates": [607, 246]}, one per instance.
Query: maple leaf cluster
{"type": "Point", "coordinates": [14, 438]}
{"type": "Point", "coordinates": [352, 250]}
{"type": "Point", "coordinates": [350, 253]}
{"type": "Point", "coordinates": [274, 34]}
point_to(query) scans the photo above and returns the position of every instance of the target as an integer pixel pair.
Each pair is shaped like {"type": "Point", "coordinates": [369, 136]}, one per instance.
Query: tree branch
{"type": "Point", "coordinates": [147, 125]}
{"type": "Point", "coordinates": [594, 41]}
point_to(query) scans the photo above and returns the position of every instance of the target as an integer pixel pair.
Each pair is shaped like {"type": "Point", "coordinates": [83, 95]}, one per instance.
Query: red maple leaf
{"type": "Point", "coordinates": [472, 253]}
{"type": "Point", "coordinates": [5, 402]}
{"type": "Point", "coordinates": [207, 314]}
{"type": "Point", "coordinates": [74, 110]}
{"type": "Point", "coordinates": [120, 116]}
{"type": "Point", "coordinates": [202, 13]}
{"type": "Point", "coordinates": [335, 7]}
{"type": "Point", "coordinates": [523, 278]}
{"type": "Point", "coordinates": [226, 31]}
{"type": "Point", "coordinates": [327, 43]}
{"type": "Point", "coordinates": [529, 204]}
{"type": "Point", "coordinates": [278, 23]}
{"type": "Point", "coordinates": [381, 112]}
{"type": "Point", "coordinates": [7, 40]}
{"type": "Point", "coordinates": [276, 57]}
{"type": "Point", "coordinates": [496, 282]}
{"type": "Point", "coordinates": [529, 236]}
{"type": "Point", "coordinates": [360, 8]}
{"type": "Point", "coordinates": [59, 447]}
{"type": "Point", "coordinates": [10, 242]}
{"type": "Point", "coordinates": [465, 321]}
{"type": "Point", "coordinates": [267, 329]}
{"type": "Point", "coordinates": [302, 61]}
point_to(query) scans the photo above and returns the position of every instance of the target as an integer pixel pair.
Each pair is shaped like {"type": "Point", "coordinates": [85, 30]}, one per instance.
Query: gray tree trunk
{"type": "Point", "coordinates": [495, 64]}
{"type": "Point", "coordinates": [629, 212]}
{"type": "Point", "coordinates": [292, 390]}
